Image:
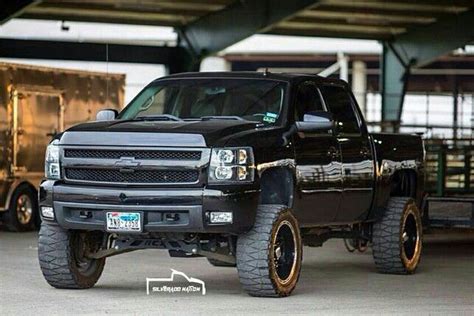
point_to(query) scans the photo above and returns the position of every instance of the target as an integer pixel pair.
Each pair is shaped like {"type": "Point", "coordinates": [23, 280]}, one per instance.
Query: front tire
{"type": "Point", "coordinates": [62, 257]}
{"type": "Point", "coordinates": [269, 255]}
{"type": "Point", "coordinates": [397, 237]}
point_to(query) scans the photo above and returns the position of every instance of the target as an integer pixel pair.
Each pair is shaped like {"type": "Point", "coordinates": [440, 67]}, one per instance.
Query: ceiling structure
{"type": "Point", "coordinates": [413, 32]}
{"type": "Point", "coordinates": [366, 19]}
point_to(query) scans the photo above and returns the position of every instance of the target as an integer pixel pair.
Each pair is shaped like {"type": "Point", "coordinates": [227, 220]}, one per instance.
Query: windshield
{"type": "Point", "coordinates": [199, 99]}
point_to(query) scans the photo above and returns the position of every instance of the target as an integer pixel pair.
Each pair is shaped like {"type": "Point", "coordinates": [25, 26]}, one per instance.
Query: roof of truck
{"type": "Point", "coordinates": [290, 77]}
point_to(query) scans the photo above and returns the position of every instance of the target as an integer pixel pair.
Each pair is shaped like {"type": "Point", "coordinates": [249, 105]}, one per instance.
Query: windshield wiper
{"type": "Point", "coordinates": [221, 117]}
{"type": "Point", "coordinates": [160, 117]}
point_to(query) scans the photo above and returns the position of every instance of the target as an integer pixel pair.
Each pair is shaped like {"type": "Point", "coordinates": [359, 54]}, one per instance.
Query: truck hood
{"type": "Point", "coordinates": [155, 133]}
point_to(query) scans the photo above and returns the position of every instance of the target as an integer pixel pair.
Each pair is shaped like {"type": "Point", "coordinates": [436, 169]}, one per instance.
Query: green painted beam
{"type": "Point", "coordinates": [417, 48]}
{"type": "Point", "coordinates": [425, 43]}
{"type": "Point", "coordinates": [216, 31]}
{"type": "Point", "coordinates": [392, 81]}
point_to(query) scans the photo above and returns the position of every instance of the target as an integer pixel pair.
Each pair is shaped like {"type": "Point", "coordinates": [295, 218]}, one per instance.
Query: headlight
{"type": "Point", "coordinates": [52, 169]}
{"type": "Point", "coordinates": [231, 165]}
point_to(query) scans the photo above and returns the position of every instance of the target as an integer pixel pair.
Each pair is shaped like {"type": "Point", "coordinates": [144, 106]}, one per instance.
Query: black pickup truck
{"type": "Point", "coordinates": [241, 168]}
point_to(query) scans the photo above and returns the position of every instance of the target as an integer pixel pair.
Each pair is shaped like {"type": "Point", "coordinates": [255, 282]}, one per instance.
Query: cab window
{"type": "Point", "coordinates": [308, 100]}
{"type": "Point", "coordinates": [339, 103]}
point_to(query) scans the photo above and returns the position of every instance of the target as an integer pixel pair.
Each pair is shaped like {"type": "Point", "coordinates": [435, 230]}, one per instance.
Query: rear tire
{"type": "Point", "coordinates": [62, 260]}
{"type": "Point", "coordinates": [23, 211]}
{"type": "Point", "coordinates": [397, 237]}
{"type": "Point", "coordinates": [269, 255]}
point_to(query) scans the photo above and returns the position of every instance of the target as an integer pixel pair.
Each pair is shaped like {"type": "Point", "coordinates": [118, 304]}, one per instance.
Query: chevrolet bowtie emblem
{"type": "Point", "coordinates": [127, 162]}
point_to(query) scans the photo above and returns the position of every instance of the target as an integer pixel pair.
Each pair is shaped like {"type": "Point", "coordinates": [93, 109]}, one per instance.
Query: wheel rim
{"type": "Point", "coordinates": [81, 249]}
{"type": "Point", "coordinates": [411, 239]}
{"type": "Point", "coordinates": [285, 252]}
{"type": "Point", "coordinates": [24, 209]}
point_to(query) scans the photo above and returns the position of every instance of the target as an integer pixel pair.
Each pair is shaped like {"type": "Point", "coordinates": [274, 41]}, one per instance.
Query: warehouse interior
{"type": "Point", "coordinates": [426, 53]}
{"type": "Point", "coordinates": [422, 47]}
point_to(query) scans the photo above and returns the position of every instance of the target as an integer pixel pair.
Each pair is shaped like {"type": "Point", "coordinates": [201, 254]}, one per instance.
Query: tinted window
{"type": "Point", "coordinates": [307, 100]}
{"type": "Point", "coordinates": [339, 103]}
{"type": "Point", "coordinates": [254, 100]}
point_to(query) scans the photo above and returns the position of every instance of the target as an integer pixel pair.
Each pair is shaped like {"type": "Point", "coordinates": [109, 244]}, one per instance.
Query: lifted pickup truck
{"type": "Point", "coordinates": [241, 168]}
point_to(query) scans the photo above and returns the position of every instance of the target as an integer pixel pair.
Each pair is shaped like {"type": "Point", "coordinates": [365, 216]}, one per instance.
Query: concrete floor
{"type": "Point", "coordinates": [332, 282]}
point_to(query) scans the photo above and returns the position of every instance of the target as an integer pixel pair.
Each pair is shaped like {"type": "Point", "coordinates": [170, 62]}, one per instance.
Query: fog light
{"type": "Point", "coordinates": [47, 212]}
{"type": "Point", "coordinates": [220, 217]}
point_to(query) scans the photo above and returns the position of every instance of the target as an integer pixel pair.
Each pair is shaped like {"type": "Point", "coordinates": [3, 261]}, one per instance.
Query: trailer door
{"type": "Point", "coordinates": [38, 117]}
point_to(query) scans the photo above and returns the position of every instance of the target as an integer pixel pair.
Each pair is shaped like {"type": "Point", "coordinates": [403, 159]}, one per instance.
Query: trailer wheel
{"type": "Point", "coordinates": [217, 263]}
{"type": "Point", "coordinates": [63, 257]}
{"type": "Point", "coordinates": [269, 255]}
{"type": "Point", "coordinates": [397, 237]}
{"type": "Point", "coordinates": [23, 211]}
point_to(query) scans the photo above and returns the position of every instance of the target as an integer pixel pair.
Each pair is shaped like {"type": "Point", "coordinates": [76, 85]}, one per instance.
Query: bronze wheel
{"type": "Point", "coordinates": [269, 255]}
{"type": "Point", "coordinates": [284, 253]}
{"type": "Point", "coordinates": [397, 237]}
{"type": "Point", "coordinates": [23, 210]}
{"type": "Point", "coordinates": [411, 238]}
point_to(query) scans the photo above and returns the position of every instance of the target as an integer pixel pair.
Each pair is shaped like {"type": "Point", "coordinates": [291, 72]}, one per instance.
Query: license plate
{"type": "Point", "coordinates": [124, 222]}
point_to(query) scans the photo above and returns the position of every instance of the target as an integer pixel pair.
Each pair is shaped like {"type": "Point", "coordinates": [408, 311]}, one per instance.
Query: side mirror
{"type": "Point", "coordinates": [315, 121]}
{"type": "Point", "coordinates": [106, 115]}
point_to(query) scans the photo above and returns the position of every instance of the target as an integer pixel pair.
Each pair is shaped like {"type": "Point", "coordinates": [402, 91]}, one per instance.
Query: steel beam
{"type": "Point", "coordinates": [425, 43]}
{"type": "Point", "coordinates": [393, 81]}
{"type": "Point", "coordinates": [11, 9]}
{"type": "Point", "coordinates": [417, 48]}
{"type": "Point", "coordinates": [216, 31]}
{"type": "Point", "coordinates": [36, 49]}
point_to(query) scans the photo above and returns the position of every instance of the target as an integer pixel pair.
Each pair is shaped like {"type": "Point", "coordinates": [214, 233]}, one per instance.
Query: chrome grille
{"type": "Point", "coordinates": [137, 154]}
{"type": "Point", "coordinates": [132, 176]}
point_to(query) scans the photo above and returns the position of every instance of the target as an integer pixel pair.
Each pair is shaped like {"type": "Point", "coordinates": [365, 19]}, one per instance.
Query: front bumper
{"type": "Point", "coordinates": [84, 207]}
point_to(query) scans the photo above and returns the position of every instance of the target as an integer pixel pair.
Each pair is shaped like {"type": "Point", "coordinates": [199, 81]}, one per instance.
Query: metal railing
{"type": "Point", "coordinates": [449, 166]}
{"type": "Point", "coordinates": [435, 115]}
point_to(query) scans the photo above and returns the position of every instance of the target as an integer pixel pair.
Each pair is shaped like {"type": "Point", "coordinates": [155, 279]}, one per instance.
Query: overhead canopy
{"type": "Point", "coordinates": [414, 32]}
{"type": "Point", "coordinates": [365, 19]}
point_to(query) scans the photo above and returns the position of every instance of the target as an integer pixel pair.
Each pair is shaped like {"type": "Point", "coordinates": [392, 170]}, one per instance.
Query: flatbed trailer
{"type": "Point", "coordinates": [449, 183]}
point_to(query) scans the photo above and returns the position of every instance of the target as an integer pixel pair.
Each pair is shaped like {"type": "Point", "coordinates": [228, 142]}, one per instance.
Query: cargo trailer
{"type": "Point", "coordinates": [36, 103]}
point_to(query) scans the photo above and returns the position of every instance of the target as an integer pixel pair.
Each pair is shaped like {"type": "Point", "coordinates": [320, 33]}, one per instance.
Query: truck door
{"type": "Point", "coordinates": [318, 166]}
{"type": "Point", "coordinates": [37, 118]}
{"type": "Point", "coordinates": [357, 160]}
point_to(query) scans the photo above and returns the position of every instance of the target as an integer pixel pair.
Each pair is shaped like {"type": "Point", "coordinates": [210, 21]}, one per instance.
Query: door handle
{"type": "Point", "coordinates": [333, 152]}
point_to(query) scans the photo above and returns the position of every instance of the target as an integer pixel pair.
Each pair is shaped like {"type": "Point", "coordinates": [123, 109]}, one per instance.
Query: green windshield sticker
{"type": "Point", "coordinates": [270, 117]}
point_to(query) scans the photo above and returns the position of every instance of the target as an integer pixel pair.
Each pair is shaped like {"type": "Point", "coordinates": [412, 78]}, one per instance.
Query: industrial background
{"type": "Point", "coordinates": [410, 65]}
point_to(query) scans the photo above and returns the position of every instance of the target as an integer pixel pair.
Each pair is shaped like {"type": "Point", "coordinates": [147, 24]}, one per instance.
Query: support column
{"type": "Point", "coordinates": [343, 62]}
{"type": "Point", "coordinates": [359, 84]}
{"type": "Point", "coordinates": [215, 64]}
{"type": "Point", "coordinates": [455, 109]}
{"type": "Point", "coordinates": [183, 61]}
{"type": "Point", "coordinates": [393, 78]}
